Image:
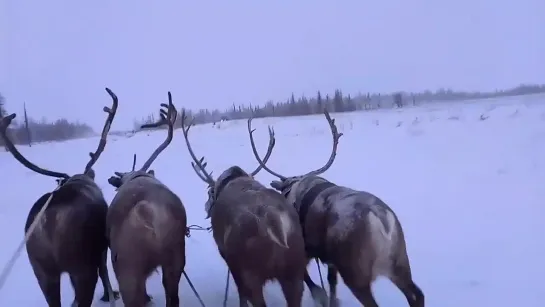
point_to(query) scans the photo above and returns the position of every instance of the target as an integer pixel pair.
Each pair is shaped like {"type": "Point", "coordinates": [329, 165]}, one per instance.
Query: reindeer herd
{"type": "Point", "coordinates": [263, 234]}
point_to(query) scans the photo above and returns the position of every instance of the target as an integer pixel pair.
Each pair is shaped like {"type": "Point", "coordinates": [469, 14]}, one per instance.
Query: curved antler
{"type": "Point", "coordinates": [102, 143]}
{"type": "Point", "coordinates": [199, 166]}
{"type": "Point", "coordinates": [336, 135]}
{"type": "Point", "coordinates": [4, 124]}
{"type": "Point", "coordinates": [262, 163]}
{"type": "Point", "coordinates": [256, 154]}
{"type": "Point", "coordinates": [334, 132]}
{"type": "Point", "coordinates": [167, 117]}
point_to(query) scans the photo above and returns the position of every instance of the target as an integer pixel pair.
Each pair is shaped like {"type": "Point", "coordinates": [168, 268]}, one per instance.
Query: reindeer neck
{"type": "Point", "coordinates": [224, 182]}
{"type": "Point", "coordinates": [309, 198]}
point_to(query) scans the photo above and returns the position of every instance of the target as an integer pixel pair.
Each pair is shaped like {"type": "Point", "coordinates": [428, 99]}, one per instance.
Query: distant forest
{"type": "Point", "coordinates": [27, 130]}
{"type": "Point", "coordinates": [338, 102]}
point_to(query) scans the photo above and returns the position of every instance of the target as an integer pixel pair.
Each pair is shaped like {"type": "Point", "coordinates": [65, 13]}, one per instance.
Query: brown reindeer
{"type": "Point", "coordinates": [257, 232]}
{"type": "Point", "coordinates": [70, 236]}
{"type": "Point", "coordinates": [354, 232]}
{"type": "Point", "coordinates": [146, 225]}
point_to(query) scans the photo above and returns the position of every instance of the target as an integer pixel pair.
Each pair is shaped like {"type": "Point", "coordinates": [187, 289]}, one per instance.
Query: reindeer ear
{"type": "Point", "coordinates": [151, 172]}
{"type": "Point", "coordinates": [277, 185]}
{"type": "Point", "coordinates": [115, 182]}
{"type": "Point", "coordinates": [91, 173]}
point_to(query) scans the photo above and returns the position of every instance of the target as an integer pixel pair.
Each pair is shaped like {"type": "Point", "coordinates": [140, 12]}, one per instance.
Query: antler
{"type": "Point", "coordinates": [4, 124]}
{"type": "Point", "coordinates": [167, 117]}
{"type": "Point", "coordinates": [133, 162]}
{"type": "Point", "coordinates": [199, 166]}
{"type": "Point", "coordinates": [334, 132]}
{"type": "Point", "coordinates": [272, 142]}
{"type": "Point", "coordinates": [256, 154]}
{"type": "Point", "coordinates": [102, 143]}
{"type": "Point", "coordinates": [336, 135]}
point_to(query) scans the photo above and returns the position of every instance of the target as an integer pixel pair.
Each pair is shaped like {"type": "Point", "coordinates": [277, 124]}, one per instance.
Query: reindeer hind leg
{"type": "Point", "coordinates": [51, 288]}
{"type": "Point", "coordinates": [360, 285]}
{"type": "Point", "coordinates": [84, 284]}
{"type": "Point", "coordinates": [105, 278]}
{"type": "Point", "coordinates": [49, 280]}
{"type": "Point", "coordinates": [402, 278]}
{"type": "Point", "coordinates": [332, 280]}
{"type": "Point", "coordinates": [172, 273]}
{"type": "Point", "coordinates": [244, 292]}
{"type": "Point", "coordinates": [293, 289]}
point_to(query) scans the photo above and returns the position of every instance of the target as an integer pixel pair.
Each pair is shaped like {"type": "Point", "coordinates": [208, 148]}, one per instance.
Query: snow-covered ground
{"type": "Point", "coordinates": [466, 180]}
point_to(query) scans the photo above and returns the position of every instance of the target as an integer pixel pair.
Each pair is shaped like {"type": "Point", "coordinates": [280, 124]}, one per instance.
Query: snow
{"type": "Point", "coordinates": [469, 194]}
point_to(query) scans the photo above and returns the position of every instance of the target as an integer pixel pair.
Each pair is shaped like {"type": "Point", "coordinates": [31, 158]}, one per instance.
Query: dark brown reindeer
{"type": "Point", "coordinates": [70, 235]}
{"type": "Point", "coordinates": [146, 225]}
{"type": "Point", "coordinates": [354, 232]}
{"type": "Point", "coordinates": [257, 232]}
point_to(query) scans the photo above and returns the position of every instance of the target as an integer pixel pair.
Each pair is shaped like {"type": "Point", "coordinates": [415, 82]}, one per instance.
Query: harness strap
{"type": "Point", "coordinates": [309, 199]}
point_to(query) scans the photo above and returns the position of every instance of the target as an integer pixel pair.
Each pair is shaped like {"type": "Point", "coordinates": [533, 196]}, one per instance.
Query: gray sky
{"type": "Point", "coordinates": [58, 56]}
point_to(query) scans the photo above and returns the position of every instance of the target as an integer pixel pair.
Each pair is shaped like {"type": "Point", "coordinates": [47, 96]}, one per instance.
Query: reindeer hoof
{"type": "Point", "coordinates": [106, 297]}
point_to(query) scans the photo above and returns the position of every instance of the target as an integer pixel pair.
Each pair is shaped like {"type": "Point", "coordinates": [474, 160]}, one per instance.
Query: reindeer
{"type": "Point", "coordinates": [257, 232]}
{"type": "Point", "coordinates": [70, 235]}
{"type": "Point", "coordinates": [146, 225]}
{"type": "Point", "coordinates": [354, 232]}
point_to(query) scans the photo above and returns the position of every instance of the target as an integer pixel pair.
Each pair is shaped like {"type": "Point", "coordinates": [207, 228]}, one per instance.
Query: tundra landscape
{"type": "Point", "coordinates": [272, 153]}
{"type": "Point", "coordinates": [464, 178]}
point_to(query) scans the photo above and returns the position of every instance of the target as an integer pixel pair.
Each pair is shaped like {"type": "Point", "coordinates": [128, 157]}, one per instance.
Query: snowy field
{"type": "Point", "coordinates": [466, 180]}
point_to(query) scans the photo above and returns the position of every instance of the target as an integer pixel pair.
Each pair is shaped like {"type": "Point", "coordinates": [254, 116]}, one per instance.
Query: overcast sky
{"type": "Point", "coordinates": [57, 56]}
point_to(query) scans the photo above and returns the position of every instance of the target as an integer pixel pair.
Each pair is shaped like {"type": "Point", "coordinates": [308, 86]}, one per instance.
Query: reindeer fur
{"type": "Point", "coordinates": [70, 236]}
{"type": "Point", "coordinates": [259, 237]}
{"type": "Point", "coordinates": [354, 232]}
{"type": "Point", "coordinates": [257, 232]}
{"type": "Point", "coordinates": [146, 225]}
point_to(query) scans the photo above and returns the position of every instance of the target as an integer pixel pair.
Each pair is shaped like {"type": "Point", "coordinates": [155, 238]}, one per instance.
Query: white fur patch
{"type": "Point", "coordinates": [383, 242]}
{"type": "Point", "coordinates": [94, 192]}
{"type": "Point", "coordinates": [39, 230]}
{"type": "Point", "coordinates": [62, 216]}
{"type": "Point", "coordinates": [376, 224]}
{"type": "Point", "coordinates": [226, 234]}
{"type": "Point", "coordinates": [285, 228]}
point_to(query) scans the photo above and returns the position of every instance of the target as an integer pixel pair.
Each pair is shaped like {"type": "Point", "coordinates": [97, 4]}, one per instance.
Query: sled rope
{"type": "Point", "coordinates": [195, 227]}
{"type": "Point", "coordinates": [9, 265]}
{"type": "Point", "coordinates": [226, 290]}
{"type": "Point", "coordinates": [320, 273]}
{"type": "Point", "coordinates": [194, 290]}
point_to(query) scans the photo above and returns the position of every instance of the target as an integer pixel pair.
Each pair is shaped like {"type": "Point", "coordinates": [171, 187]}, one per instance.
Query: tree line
{"type": "Point", "coordinates": [337, 103]}
{"type": "Point", "coordinates": [27, 130]}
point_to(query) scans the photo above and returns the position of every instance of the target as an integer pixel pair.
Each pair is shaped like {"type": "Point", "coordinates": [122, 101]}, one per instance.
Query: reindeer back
{"type": "Point", "coordinates": [244, 206]}
{"type": "Point", "coordinates": [138, 187]}
{"type": "Point", "coordinates": [78, 190]}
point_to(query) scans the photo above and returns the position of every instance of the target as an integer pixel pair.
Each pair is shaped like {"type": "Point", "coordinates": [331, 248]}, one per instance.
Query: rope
{"type": "Point", "coordinates": [9, 265]}
{"type": "Point", "coordinates": [226, 290]}
{"type": "Point", "coordinates": [195, 227]}
{"type": "Point", "coordinates": [320, 273]}
{"type": "Point", "coordinates": [194, 290]}
{"type": "Point", "coordinates": [188, 234]}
